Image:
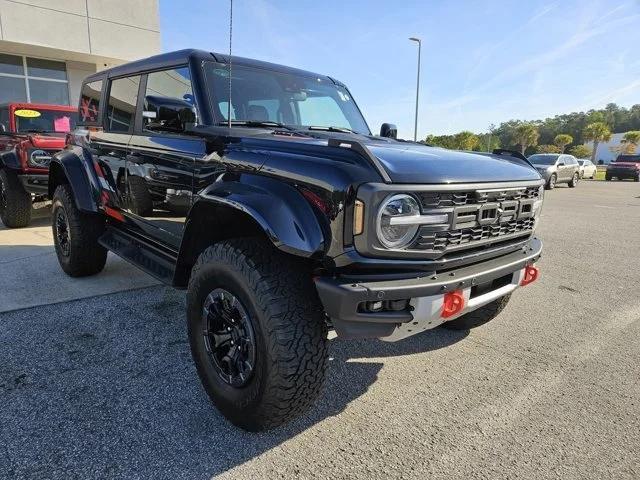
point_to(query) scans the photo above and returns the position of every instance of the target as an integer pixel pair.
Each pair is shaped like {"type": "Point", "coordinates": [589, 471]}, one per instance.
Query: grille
{"type": "Point", "coordinates": [443, 241]}
{"type": "Point", "coordinates": [454, 199]}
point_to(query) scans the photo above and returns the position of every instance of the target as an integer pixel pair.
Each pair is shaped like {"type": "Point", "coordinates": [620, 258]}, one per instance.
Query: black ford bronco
{"type": "Point", "coordinates": [260, 189]}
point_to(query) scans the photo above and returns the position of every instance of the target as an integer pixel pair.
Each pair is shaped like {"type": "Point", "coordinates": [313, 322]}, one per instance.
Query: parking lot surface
{"type": "Point", "coordinates": [104, 387]}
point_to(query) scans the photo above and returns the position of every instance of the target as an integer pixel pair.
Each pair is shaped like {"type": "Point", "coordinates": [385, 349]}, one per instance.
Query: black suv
{"type": "Point", "coordinates": [260, 189]}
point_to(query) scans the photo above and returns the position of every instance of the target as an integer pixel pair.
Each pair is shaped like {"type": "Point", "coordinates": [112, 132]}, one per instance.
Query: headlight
{"type": "Point", "coordinates": [390, 233]}
{"type": "Point", "coordinates": [39, 158]}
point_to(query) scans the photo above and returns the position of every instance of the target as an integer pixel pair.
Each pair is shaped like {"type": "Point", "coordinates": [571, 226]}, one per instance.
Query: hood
{"type": "Point", "coordinates": [413, 163]}
{"type": "Point", "coordinates": [48, 142]}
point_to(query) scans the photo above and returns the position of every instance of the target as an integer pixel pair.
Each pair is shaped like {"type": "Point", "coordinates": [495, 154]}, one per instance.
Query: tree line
{"type": "Point", "coordinates": [562, 133]}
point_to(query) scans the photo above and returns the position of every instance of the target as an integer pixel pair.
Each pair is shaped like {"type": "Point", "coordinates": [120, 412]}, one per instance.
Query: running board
{"type": "Point", "coordinates": [155, 262]}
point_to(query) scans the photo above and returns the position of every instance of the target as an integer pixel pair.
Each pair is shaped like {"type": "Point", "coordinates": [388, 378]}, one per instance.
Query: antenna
{"type": "Point", "coordinates": [230, 37]}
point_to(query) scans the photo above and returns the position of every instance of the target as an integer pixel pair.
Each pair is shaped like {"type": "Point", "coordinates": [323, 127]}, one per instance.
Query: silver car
{"type": "Point", "coordinates": [556, 168]}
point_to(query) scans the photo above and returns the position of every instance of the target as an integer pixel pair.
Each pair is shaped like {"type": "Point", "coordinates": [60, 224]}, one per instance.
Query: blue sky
{"type": "Point", "coordinates": [483, 62]}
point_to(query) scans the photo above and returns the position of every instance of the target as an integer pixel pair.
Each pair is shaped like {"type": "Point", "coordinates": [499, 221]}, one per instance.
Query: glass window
{"type": "Point", "coordinates": [12, 89]}
{"type": "Point", "coordinates": [37, 67]}
{"type": "Point", "coordinates": [295, 99]}
{"type": "Point", "coordinates": [43, 91]}
{"type": "Point", "coordinates": [543, 159]}
{"type": "Point", "coordinates": [46, 121]}
{"type": "Point", "coordinates": [11, 64]}
{"type": "Point", "coordinates": [171, 87]}
{"type": "Point", "coordinates": [121, 106]}
{"type": "Point", "coordinates": [90, 101]}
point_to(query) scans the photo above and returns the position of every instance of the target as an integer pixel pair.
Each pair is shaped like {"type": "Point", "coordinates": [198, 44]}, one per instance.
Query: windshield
{"type": "Point", "coordinates": [46, 121]}
{"type": "Point", "coordinates": [543, 159]}
{"type": "Point", "coordinates": [295, 100]}
{"type": "Point", "coordinates": [628, 158]}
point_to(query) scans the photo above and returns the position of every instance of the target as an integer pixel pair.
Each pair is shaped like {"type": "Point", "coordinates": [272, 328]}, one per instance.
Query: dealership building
{"type": "Point", "coordinates": [47, 47]}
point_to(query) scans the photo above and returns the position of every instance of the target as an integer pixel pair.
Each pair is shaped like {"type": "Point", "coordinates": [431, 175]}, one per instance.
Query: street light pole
{"type": "Point", "coordinates": [415, 126]}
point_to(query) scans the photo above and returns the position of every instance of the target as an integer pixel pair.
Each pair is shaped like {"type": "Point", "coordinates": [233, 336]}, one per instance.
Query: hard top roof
{"type": "Point", "coordinates": [165, 60]}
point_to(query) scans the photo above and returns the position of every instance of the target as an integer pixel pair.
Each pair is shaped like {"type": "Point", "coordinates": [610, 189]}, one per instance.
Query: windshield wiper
{"type": "Point", "coordinates": [332, 129]}
{"type": "Point", "coordinates": [256, 124]}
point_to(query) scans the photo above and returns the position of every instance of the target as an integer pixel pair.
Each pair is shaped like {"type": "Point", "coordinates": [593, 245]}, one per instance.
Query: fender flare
{"type": "Point", "coordinates": [10, 159]}
{"type": "Point", "coordinates": [71, 166]}
{"type": "Point", "coordinates": [284, 215]}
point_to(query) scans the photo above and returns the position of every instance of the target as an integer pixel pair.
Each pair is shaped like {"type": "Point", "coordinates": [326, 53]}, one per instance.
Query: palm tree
{"type": "Point", "coordinates": [596, 132]}
{"type": "Point", "coordinates": [630, 140]}
{"type": "Point", "coordinates": [525, 134]}
{"type": "Point", "coordinates": [562, 140]}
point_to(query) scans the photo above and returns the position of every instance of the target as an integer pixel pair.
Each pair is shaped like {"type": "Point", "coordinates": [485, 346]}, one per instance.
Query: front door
{"type": "Point", "coordinates": [161, 158]}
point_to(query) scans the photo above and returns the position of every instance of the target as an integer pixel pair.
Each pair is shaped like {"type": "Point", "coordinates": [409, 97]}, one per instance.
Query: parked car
{"type": "Point", "coordinates": [556, 168]}
{"type": "Point", "coordinates": [625, 167]}
{"type": "Point", "coordinates": [29, 135]}
{"type": "Point", "coordinates": [587, 168]}
{"type": "Point", "coordinates": [283, 216]}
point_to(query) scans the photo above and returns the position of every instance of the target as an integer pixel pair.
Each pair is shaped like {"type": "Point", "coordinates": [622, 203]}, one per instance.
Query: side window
{"type": "Point", "coordinates": [90, 101]}
{"type": "Point", "coordinates": [121, 104]}
{"type": "Point", "coordinates": [169, 104]}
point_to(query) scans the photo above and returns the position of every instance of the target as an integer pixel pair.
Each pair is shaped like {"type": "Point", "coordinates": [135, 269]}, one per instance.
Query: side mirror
{"type": "Point", "coordinates": [166, 113]}
{"type": "Point", "coordinates": [389, 130]}
{"type": "Point", "coordinates": [561, 163]}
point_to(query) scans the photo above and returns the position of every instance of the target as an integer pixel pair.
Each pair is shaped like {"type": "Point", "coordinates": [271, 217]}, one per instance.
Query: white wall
{"type": "Point", "coordinates": [116, 29]}
{"type": "Point", "coordinates": [607, 151]}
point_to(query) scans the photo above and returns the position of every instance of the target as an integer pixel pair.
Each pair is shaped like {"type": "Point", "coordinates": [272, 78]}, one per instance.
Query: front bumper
{"type": "Point", "coordinates": [342, 300]}
{"type": "Point", "coordinates": [35, 183]}
{"type": "Point", "coordinates": [622, 173]}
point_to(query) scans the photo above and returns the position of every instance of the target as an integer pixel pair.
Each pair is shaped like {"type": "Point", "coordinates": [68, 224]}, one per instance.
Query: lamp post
{"type": "Point", "coordinates": [415, 126]}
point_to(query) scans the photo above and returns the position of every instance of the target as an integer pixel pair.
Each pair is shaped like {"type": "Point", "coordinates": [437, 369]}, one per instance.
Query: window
{"type": "Point", "coordinates": [90, 101]}
{"type": "Point", "coordinates": [121, 106]}
{"type": "Point", "coordinates": [171, 88]}
{"type": "Point", "coordinates": [322, 111]}
{"type": "Point", "coordinates": [4, 119]}
{"type": "Point", "coordinates": [26, 79]}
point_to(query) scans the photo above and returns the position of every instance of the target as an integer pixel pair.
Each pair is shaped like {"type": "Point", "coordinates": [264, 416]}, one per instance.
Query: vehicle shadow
{"type": "Point", "coordinates": [110, 390]}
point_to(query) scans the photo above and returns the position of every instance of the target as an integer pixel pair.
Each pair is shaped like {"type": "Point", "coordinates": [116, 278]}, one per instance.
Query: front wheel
{"type": "Point", "coordinates": [479, 316]}
{"type": "Point", "coordinates": [257, 333]}
{"type": "Point", "coordinates": [15, 201]}
{"type": "Point", "coordinates": [551, 184]}
{"type": "Point", "coordinates": [574, 181]}
{"type": "Point", "coordinates": [75, 236]}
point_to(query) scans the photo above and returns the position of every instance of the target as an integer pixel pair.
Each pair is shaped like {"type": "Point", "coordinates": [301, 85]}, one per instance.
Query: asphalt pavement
{"type": "Point", "coordinates": [104, 386]}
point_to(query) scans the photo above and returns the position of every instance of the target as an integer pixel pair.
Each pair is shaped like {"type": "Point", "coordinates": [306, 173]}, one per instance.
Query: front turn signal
{"type": "Point", "coordinates": [531, 274]}
{"type": "Point", "coordinates": [452, 304]}
{"type": "Point", "coordinates": [358, 218]}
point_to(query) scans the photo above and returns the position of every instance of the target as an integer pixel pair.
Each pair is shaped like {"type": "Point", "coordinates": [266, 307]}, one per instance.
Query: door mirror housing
{"type": "Point", "coordinates": [168, 114]}
{"type": "Point", "coordinates": [388, 130]}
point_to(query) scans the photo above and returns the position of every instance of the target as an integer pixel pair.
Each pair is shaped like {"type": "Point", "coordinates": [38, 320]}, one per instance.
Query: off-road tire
{"type": "Point", "coordinates": [15, 207]}
{"type": "Point", "coordinates": [574, 181]}
{"type": "Point", "coordinates": [140, 200]}
{"type": "Point", "coordinates": [551, 183]}
{"type": "Point", "coordinates": [289, 327]}
{"type": "Point", "coordinates": [85, 255]}
{"type": "Point", "coordinates": [478, 317]}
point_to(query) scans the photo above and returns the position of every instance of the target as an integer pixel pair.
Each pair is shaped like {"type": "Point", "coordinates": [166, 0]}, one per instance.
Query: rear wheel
{"type": "Point", "coordinates": [75, 236]}
{"type": "Point", "coordinates": [257, 333]}
{"type": "Point", "coordinates": [551, 184]}
{"type": "Point", "coordinates": [574, 181]}
{"type": "Point", "coordinates": [15, 201]}
{"type": "Point", "coordinates": [479, 316]}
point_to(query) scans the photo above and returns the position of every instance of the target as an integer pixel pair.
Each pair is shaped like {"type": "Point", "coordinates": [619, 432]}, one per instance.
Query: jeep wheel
{"type": "Point", "coordinates": [257, 333]}
{"type": "Point", "coordinates": [478, 317]}
{"type": "Point", "coordinates": [140, 200]}
{"type": "Point", "coordinates": [574, 181]}
{"type": "Point", "coordinates": [75, 236]}
{"type": "Point", "coordinates": [15, 201]}
{"type": "Point", "coordinates": [551, 184]}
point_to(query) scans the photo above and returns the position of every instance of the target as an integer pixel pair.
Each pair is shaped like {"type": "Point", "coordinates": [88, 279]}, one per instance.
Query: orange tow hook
{"type": "Point", "coordinates": [531, 274]}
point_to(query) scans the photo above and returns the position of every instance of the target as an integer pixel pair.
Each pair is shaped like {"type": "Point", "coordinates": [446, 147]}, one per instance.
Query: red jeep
{"type": "Point", "coordinates": [29, 134]}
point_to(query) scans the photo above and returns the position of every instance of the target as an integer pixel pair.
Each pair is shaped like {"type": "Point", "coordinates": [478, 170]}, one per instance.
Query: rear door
{"type": "Point", "coordinates": [161, 157]}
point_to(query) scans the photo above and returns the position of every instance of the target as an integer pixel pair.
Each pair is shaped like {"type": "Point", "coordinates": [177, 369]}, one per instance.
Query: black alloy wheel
{"type": "Point", "coordinates": [229, 337]}
{"type": "Point", "coordinates": [62, 231]}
